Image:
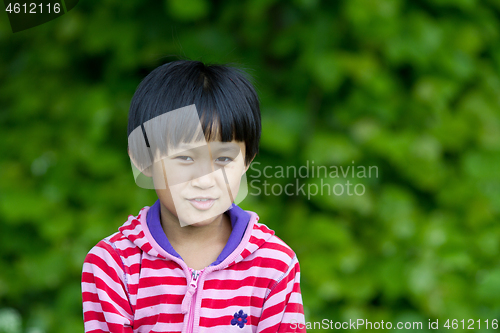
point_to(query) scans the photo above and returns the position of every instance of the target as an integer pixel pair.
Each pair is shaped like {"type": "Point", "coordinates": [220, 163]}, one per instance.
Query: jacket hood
{"type": "Point", "coordinates": [136, 230]}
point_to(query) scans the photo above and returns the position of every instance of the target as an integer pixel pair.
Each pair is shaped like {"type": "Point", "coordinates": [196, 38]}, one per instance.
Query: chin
{"type": "Point", "coordinates": [198, 218]}
{"type": "Point", "coordinates": [198, 222]}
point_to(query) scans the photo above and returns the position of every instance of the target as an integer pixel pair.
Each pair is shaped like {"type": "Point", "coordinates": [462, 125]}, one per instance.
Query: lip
{"type": "Point", "coordinates": [202, 205]}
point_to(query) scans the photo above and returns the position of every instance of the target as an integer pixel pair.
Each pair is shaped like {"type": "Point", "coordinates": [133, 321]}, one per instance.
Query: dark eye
{"type": "Point", "coordinates": [224, 159]}
{"type": "Point", "coordinates": [184, 158]}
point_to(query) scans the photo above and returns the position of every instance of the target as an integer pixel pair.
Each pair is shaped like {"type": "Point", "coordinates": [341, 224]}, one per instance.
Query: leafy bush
{"type": "Point", "coordinates": [409, 87]}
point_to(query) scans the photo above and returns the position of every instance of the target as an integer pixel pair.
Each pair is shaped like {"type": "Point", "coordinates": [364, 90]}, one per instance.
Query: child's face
{"type": "Point", "coordinates": [198, 181]}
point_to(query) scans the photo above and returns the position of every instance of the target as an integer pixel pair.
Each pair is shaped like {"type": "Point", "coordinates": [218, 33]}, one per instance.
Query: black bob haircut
{"type": "Point", "coordinates": [226, 102]}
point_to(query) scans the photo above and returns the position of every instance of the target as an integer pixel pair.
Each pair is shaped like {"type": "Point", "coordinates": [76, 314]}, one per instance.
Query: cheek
{"type": "Point", "coordinates": [233, 174]}
{"type": "Point", "coordinates": [167, 174]}
{"type": "Point", "coordinates": [158, 176]}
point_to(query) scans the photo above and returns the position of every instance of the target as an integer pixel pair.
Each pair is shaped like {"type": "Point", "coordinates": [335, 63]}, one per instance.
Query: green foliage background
{"type": "Point", "coordinates": [412, 87]}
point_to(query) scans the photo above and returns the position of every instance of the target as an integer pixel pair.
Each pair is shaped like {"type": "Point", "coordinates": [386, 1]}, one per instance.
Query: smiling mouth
{"type": "Point", "coordinates": [202, 203]}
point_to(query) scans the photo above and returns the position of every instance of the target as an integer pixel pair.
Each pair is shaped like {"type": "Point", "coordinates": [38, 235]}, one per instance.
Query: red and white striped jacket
{"type": "Point", "coordinates": [130, 284]}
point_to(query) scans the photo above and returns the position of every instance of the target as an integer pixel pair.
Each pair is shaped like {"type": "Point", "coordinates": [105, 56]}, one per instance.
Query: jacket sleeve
{"type": "Point", "coordinates": [106, 306]}
{"type": "Point", "coordinates": [283, 310]}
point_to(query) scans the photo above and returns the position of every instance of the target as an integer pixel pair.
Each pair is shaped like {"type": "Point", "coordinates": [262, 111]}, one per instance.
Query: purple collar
{"type": "Point", "coordinates": [239, 221]}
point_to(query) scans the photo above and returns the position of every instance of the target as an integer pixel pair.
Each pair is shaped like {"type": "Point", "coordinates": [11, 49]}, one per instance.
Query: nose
{"type": "Point", "coordinates": [204, 182]}
{"type": "Point", "coordinates": [204, 177]}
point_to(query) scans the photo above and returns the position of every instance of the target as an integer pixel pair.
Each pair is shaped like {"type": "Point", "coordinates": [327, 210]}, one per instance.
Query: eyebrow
{"type": "Point", "coordinates": [225, 146]}
{"type": "Point", "coordinates": [186, 148]}
{"type": "Point", "coordinates": [225, 149]}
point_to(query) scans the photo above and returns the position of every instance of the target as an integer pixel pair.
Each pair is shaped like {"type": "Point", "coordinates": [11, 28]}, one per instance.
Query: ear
{"type": "Point", "coordinates": [146, 172]}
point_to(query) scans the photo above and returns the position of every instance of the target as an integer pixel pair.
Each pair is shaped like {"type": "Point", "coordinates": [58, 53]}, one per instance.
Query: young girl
{"type": "Point", "coordinates": [194, 261]}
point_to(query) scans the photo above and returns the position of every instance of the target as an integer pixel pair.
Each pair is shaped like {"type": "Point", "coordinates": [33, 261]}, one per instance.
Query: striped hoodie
{"type": "Point", "coordinates": [132, 284]}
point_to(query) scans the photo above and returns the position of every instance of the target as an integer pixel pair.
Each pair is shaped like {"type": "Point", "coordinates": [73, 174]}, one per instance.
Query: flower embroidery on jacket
{"type": "Point", "coordinates": [240, 319]}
